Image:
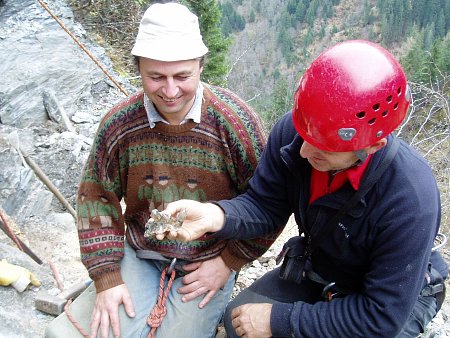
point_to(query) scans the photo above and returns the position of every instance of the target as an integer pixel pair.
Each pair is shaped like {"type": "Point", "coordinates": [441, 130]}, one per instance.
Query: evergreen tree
{"type": "Point", "coordinates": [415, 61]}
{"type": "Point", "coordinates": [441, 55]}
{"type": "Point", "coordinates": [291, 6]}
{"type": "Point", "coordinates": [309, 37]}
{"type": "Point", "coordinates": [252, 16]}
{"type": "Point", "coordinates": [311, 13]}
{"type": "Point", "coordinates": [429, 36]}
{"type": "Point", "coordinates": [256, 5]}
{"type": "Point", "coordinates": [365, 18]}
{"type": "Point", "coordinates": [280, 103]}
{"type": "Point", "coordinates": [209, 16]}
{"type": "Point", "coordinates": [419, 8]}
{"type": "Point", "coordinates": [440, 25]}
{"type": "Point", "coordinates": [300, 12]}
{"type": "Point", "coordinates": [285, 42]}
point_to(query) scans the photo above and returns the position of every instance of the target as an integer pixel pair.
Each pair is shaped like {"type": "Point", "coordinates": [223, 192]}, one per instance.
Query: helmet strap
{"type": "Point", "coordinates": [361, 155]}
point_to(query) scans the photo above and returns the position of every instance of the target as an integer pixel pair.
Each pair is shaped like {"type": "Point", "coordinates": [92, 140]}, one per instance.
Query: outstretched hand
{"type": "Point", "coordinates": [200, 219]}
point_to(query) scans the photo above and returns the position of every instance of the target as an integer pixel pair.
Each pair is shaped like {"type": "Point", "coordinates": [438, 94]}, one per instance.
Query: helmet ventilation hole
{"type": "Point", "coordinates": [384, 113]}
{"type": "Point", "coordinates": [389, 99]}
{"type": "Point", "coordinates": [399, 91]}
{"type": "Point", "coordinates": [396, 106]}
{"type": "Point", "coordinates": [372, 121]}
{"type": "Point", "coordinates": [361, 114]}
{"type": "Point", "coordinates": [376, 106]}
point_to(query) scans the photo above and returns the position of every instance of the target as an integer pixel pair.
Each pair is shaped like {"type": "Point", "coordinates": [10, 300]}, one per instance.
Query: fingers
{"type": "Point", "coordinates": [104, 325]}
{"type": "Point", "coordinates": [185, 235]}
{"type": "Point", "coordinates": [193, 295]}
{"type": "Point", "coordinates": [174, 208]}
{"type": "Point", "coordinates": [106, 311]}
{"type": "Point", "coordinates": [207, 298]}
{"type": "Point", "coordinates": [252, 320]}
{"type": "Point", "coordinates": [129, 307]}
{"type": "Point", "coordinates": [115, 324]}
{"type": "Point", "coordinates": [101, 320]}
{"type": "Point", "coordinates": [95, 323]}
{"type": "Point", "coordinates": [191, 267]}
{"type": "Point", "coordinates": [235, 313]}
{"type": "Point", "coordinates": [236, 321]}
{"type": "Point", "coordinates": [182, 235]}
{"type": "Point", "coordinates": [192, 291]}
{"type": "Point", "coordinates": [160, 237]}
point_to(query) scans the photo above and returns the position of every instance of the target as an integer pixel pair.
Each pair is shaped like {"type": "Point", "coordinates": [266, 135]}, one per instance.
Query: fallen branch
{"type": "Point", "coordinates": [21, 245]}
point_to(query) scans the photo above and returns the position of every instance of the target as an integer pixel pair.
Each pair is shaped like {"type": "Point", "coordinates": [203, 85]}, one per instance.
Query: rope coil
{"type": "Point", "coordinates": [159, 311]}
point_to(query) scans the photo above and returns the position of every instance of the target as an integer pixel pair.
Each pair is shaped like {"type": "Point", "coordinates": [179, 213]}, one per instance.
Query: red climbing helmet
{"type": "Point", "coordinates": [352, 95]}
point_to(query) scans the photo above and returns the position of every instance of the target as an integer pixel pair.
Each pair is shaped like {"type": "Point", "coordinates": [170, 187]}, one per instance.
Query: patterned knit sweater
{"type": "Point", "coordinates": [150, 167]}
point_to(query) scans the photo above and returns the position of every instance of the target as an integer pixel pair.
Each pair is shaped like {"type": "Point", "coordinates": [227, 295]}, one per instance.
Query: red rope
{"type": "Point", "coordinates": [159, 311]}
{"type": "Point", "coordinates": [74, 321]}
{"type": "Point", "coordinates": [69, 301]}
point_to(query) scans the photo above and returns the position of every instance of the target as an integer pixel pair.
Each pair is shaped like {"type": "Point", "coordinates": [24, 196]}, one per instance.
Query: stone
{"type": "Point", "coordinates": [161, 223]}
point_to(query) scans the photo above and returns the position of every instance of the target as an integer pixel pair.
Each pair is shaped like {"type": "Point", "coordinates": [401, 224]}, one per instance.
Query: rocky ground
{"type": "Point", "coordinates": [36, 57]}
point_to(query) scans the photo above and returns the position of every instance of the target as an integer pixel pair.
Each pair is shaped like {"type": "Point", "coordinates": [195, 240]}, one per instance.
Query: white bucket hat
{"type": "Point", "coordinates": [169, 32]}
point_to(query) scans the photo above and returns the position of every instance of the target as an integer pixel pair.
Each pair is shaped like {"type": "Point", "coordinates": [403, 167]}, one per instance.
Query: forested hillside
{"type": "Point", "coordinates": [276, 40]}
{"type": "Point", "coordinates": [260, 48]}
{"type": "Point", "coordinates": [266, 44]}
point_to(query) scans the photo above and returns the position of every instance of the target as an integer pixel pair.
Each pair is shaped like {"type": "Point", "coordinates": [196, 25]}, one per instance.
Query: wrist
{"type": "Point", "coordinates": [217, 217]}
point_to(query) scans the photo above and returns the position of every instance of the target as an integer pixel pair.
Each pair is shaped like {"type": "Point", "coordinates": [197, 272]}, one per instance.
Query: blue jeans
{"type": "Point", "coordinates": [142, 277]}
{"type": "Point", "coordinates": [271, 289]}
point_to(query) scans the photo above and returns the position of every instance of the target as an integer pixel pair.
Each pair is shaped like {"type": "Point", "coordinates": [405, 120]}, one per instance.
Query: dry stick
{"type": "Point", "coordinates": [21, 245]}
{"type": "Point", "coordinates": [82, 46]}
{"type": "Point", "coordinates": [7, 229]}
{"type": "Point", "coordinates": [47, 182]}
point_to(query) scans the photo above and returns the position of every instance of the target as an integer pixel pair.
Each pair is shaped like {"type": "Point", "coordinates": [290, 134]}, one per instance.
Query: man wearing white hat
{"type": "Point", "coordinates": [179, 138]}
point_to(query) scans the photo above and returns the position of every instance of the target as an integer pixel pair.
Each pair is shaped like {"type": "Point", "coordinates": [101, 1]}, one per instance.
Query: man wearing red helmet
{"type": "Point", "coordinates": [366, 204]}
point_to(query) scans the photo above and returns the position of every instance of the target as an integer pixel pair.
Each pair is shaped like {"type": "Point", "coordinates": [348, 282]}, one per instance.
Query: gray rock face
{"type": "Point", "coordinates": [38, 55]}
{"type": "Point", "coordinates": [52, 96]}
{"type": "Point", "coordinates": [46, 80]}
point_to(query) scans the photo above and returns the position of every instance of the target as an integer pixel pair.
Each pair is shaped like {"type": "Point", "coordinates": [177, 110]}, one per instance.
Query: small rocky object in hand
{"type": "Point", "coordinates": [161, 223]}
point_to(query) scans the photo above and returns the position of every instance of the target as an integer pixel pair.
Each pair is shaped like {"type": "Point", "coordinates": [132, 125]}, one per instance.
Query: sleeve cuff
{"type": "Point", "coordinates": [108, 280]}
{"type": "Point", "coordinates": [280, 320]}
{"type": "Point", "coordinates": [232, 261]}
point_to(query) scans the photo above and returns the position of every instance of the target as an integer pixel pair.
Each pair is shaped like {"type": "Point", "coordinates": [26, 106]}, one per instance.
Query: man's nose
{"type": "Point", "coordinates": [307, 150]}
{"type": "Point", "coordinates": [170, 89]}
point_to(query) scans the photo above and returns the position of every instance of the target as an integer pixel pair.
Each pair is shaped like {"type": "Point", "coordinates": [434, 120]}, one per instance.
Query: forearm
{"type": "Point", "coordinates": [101, 234]}
{"type": "Point", "coordinates": [246, 218]}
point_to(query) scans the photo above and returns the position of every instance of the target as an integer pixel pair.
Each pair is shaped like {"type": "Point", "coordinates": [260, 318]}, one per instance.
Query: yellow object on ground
{"type": "Point", "coordinates": [16, 276]}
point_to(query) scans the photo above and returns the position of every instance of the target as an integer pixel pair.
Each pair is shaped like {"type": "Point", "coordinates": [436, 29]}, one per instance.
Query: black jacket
{"type": "Point", "coordinates": [380, 249]}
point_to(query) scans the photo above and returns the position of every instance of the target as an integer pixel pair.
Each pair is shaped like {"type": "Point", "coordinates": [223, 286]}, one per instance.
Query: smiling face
{"type": "Point", "coordinates": [171, 86]}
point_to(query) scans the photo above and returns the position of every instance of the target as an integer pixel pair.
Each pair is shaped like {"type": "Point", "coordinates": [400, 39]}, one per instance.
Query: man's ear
{"type": "Point", "coordinates": [376, 146]}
